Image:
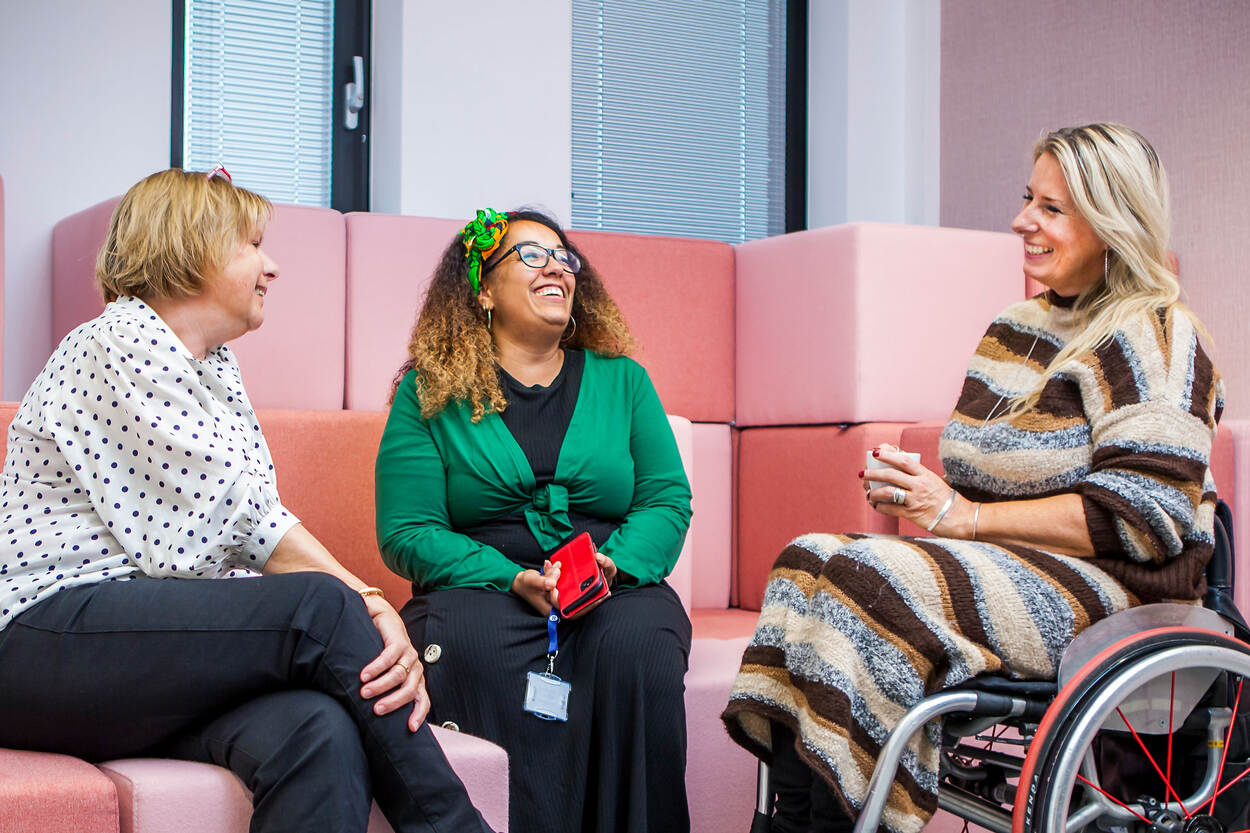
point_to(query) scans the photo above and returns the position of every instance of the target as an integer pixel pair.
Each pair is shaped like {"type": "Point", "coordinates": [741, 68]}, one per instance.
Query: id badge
{"type": "Point", "coordinates": [547, 696]}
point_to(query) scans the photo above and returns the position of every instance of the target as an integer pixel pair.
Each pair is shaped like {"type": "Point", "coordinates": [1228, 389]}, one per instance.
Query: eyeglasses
{"type": "Point", "coordinates": [536, 257]}
{"type": "Point", "coordinates": [220, 170]}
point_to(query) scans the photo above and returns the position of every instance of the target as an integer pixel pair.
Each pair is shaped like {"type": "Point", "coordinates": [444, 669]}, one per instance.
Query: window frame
{"type": "Point", "coordinates": [349, 149]}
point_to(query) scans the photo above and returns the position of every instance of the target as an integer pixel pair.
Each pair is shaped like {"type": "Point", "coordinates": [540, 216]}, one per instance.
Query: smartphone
{"type": "Point", "coordinates": [581, 581]}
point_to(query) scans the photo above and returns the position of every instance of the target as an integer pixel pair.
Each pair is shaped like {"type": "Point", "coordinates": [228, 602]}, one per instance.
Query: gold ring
{"type": "Point", "coordinates": [401, 665]}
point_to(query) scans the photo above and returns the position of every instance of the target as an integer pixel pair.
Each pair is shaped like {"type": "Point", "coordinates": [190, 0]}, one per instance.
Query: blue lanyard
{"type": "Point", "coordinates": [553, 650]}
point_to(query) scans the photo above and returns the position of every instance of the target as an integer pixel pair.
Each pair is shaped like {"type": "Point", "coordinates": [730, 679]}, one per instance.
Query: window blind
{"type": "Point", "coordinates": [258, 94]}
{"type": "Point", "coordinates": [679, 117]}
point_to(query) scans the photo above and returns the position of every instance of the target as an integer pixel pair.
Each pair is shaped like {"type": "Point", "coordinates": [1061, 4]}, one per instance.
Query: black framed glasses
{"type": "Point", "coordinates": [536, 257]}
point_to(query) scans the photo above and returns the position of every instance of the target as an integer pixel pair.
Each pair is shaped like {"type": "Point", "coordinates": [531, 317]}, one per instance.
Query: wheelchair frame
{"type": "Point", "coordinates": [1113, 679]}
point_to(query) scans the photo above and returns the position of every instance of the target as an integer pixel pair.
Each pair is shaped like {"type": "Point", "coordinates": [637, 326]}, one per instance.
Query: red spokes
{"type": "Point", "coordinates": [1167, 784]}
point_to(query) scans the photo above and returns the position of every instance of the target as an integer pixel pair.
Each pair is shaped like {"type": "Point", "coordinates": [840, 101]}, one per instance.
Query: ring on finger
{"type": "Point", "coordinates": [900, 496]}
{"type": "Point", "coordinates": [401, 665]}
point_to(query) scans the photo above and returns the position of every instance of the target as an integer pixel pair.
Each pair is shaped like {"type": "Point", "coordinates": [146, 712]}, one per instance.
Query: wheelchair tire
{"type": "Point", "coordinates": [1068, 736]}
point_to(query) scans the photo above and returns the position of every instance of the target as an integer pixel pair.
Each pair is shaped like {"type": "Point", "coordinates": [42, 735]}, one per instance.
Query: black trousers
{"type": "Point", "coordinates": [618, 765]}
{"type": "Point", "coordinates": [260, 675]}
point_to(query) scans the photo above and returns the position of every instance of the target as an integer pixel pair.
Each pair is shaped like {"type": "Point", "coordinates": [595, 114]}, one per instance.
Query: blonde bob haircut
{"type": "Point", "coordinates": [1120, 188]}
{"type": "Point", "coordinates": [173, 229]}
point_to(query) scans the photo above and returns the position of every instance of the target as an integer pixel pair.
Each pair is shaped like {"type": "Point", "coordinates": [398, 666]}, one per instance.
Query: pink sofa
{"type": "Point", "coordinates": [773, 351]}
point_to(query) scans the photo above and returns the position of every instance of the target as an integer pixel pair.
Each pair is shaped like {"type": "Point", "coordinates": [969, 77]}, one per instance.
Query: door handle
{"type": "Point", "coordinates": [354, 97]}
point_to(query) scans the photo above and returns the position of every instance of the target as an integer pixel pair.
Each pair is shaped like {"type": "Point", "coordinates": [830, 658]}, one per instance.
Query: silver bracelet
{"type": "Point", "coordinates": [976, 516]}
{"type": "Point", "coordinates": [946, 507]}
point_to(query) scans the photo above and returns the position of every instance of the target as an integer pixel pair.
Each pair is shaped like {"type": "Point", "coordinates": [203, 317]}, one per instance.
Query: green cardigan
{"type": "Point", "coordinates": [618, 461]}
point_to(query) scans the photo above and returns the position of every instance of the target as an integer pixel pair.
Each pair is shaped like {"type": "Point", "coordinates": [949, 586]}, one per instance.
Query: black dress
{"type": "Point", "coordinates": [618, 763]}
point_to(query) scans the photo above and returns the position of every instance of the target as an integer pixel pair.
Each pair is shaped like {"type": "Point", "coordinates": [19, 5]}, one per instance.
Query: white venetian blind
{"type": "Point", "coordinates": [679, 117]}
{"type": "Point", "coordinates": [257, 94]}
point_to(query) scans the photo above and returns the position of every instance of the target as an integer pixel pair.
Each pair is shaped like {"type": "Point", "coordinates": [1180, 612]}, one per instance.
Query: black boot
{"type": "Point", "coordinates": [827, 814]}
{"type": "Point", "coordinates": [805, 803]}
{"type": "Point", "coordinates": [791, 781]}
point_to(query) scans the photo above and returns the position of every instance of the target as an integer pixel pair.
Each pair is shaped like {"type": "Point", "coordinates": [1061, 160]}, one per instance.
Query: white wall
{"type": "Point", "coordinates": [873, 108]}
{"type": "Point", "coordinates": [473, 106]}
{"type": "Point", "coordinates": [87, 115]}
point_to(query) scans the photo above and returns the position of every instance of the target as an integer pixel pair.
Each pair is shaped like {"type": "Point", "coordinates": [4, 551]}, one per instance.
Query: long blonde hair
{"type": "Point", "coordinates": [1120, 188]}
{"type": "Point", "coordinates": [451, 346]}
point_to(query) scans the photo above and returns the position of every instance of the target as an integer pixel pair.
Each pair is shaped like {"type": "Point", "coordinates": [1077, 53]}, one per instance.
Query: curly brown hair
{"type": "Point", "coordinates": [452, 349]}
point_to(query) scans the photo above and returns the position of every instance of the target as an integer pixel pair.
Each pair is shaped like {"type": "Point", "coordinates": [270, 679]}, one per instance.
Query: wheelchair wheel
{"type": "Point", "coordinates": [1136, 741]}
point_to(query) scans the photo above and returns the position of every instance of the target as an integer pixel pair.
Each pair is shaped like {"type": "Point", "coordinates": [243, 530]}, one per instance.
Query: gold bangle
{"type": "Point", "coordinates": [976, 516]}
{"type": "Point", "coordinates": [371, 591]}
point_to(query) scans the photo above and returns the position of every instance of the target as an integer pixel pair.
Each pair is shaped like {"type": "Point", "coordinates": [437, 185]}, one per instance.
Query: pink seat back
{"type": "Point", "coordinates": [799, 479]}
{"type": "Point", "coordinates": [1, 275]}
{"type": "Point", "coordinates": [865, 321]}
{"type": "Point", "coordinates": [676, 295]}
{"type": "Point", "coordinates": [296, 360]}
{"type": "Point", "coordinates": [390, 260]}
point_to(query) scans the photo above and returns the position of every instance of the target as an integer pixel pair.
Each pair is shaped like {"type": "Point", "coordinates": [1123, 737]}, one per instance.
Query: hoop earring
{"type": "Point", "coordinates": [1106, 267]}
{"type": "Point", "coordinates": [572, 321]}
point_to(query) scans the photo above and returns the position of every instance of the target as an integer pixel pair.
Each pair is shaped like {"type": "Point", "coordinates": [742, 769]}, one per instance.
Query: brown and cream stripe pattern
{"type": "Point", "coordinates": [856, 629]}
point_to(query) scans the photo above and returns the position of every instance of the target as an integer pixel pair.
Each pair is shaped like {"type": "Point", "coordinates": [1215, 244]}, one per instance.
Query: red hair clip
{"type": "Point", "coordinates": [220, 169]}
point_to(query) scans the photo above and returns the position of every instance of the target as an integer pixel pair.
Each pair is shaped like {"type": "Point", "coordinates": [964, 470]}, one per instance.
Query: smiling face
{"type": "Point", "coordinates": [528, 301]}
{"type": "Point", "coordinates": [232, 301]}
{"type": "Point", "coordinates": [1061, 249]}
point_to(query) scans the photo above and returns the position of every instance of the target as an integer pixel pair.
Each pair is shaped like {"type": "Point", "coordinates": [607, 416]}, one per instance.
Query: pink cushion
{"type": "Point", "coordinates": [324, 461]}
{"type": "Point", "coordinates": [676, 294]}
{"type": "Point", "coordinates": [712, 524]}
{"type": "Point", "coordinates": [682, 577]}
{"type": "Point", "coordinates": [41, 792]}
{"type": "Point", "coordinates": [796, 480]}
{"type": "Point", "coordinates": [296, 360]}
{"type": "Point", "coordinates": [1238, 431]}
{"type": "Point", "coordinates": [165, 796]}
{"type": "Point", "coordinates": [390, 260]}
{"type": "Point", "coordinates": [720, 775]}
{"type": "Point", "coordinates": [864, 322]}
{"type": "Point", "coordinates": [723, 623]}
{"type": "Point", "coordinates": [1, 264]}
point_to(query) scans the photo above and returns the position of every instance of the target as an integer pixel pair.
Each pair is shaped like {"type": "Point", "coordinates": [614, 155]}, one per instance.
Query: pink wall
{"type": "Point", "coordinates": [1179, 72]}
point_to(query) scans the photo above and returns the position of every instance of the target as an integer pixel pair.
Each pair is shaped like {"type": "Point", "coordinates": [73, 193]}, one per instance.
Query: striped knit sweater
{"type": "Point", "coordinates": [1127, 426]}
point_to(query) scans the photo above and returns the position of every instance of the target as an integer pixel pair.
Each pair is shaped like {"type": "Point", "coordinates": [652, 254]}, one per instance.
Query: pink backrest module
{"type": "Point", "coordinates": [682, 577]}
{"type": "Point", "coordinates": [390, 260]}
{"type": "Point", "coordinates": [296, 360]}
{"type": "Point", "coordinates": [712, 487]}
{"type": "Point", "coordinates": [324, 461]}
{"type": "Point", "coordinates": [41, 792]}
{"type": "Point", "coordinates": [796, 480]}
{"type": "Point", "coordinates": [1, 271]}
{"type": "Point", "coordinates": [75, 241]}
{"type": "Point", "coordinates": [1238, 431]}
{"type": "Point", "coordinates": [677, 297]}
{"type": "Point", "coordinates": [864, 322]}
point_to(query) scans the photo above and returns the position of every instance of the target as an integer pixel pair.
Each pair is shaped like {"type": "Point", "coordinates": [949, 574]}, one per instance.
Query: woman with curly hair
{"type": "Point", "coordinates": [517, 424]}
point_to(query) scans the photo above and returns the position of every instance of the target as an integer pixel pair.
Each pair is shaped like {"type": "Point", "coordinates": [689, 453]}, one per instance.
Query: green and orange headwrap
{"type": "Point", "coordinates": [481, 236]}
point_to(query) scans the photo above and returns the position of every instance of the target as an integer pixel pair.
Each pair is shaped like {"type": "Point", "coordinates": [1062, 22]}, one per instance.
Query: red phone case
{"type": "Point", "coordinates": [581, 581]}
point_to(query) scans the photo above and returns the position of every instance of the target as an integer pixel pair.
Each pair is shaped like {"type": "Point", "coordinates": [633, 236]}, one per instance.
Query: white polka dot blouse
{"type": "Point", "coordinates": [129, 455]}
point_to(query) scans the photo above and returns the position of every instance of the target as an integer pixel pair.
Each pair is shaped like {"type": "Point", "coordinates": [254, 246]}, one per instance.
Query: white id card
{"type": "Point", "coordinates": [547, 696]}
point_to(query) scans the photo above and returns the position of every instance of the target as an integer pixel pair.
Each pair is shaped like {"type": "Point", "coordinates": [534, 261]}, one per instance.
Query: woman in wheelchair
{"type": "Point", "coordinates": [1077, 485]}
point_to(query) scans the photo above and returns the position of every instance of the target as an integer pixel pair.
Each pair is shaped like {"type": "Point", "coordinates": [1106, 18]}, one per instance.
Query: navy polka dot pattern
{"type": "Point", "coordinates": [129, 455]}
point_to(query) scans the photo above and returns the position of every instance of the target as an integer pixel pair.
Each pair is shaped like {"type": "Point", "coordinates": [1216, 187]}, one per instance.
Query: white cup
{"type": "Point", "coordinates": [871, 462]}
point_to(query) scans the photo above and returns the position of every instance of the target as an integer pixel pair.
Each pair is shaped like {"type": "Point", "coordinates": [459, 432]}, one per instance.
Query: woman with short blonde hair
{"type": "Point", "coordinates": [137, 487]}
